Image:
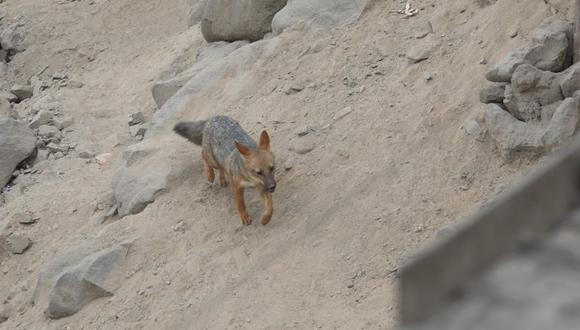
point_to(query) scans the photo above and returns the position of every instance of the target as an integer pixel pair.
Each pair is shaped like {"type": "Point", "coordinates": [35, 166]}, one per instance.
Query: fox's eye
{"type": "Point", "coordinates": [271, 168]}
{"type": "Point", "coordinates": [259, 172]}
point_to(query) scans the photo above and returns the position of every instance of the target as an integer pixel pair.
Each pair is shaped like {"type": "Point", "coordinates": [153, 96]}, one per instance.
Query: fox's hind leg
{"type": "Point", "coordinates": [207, 168]}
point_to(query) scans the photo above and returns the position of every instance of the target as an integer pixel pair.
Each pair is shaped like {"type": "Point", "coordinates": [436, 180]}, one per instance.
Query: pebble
{"type": "Point", "coordinates": [22, 91]}
{"type": "Point", "coordinates": [136, 118]}
{"type": "Point", "coordinates": [302, 148]}
{"type": "Point", "coordinates": [342, 113]}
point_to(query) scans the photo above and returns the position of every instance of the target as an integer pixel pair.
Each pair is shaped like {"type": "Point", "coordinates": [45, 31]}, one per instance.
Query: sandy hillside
{"type": "Point", "coordinates": [380, 182]}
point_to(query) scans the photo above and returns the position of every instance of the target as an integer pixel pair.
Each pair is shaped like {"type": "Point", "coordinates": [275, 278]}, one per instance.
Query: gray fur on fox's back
{"type": "Point", "coordinates": [221, 133]}
{"type": "Point", "coordinates": [191, 130]}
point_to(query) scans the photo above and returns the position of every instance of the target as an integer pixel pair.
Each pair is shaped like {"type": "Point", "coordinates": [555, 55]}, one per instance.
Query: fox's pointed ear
{"type": "Point", "coordinates": [264, 141]}
{"type": "Point", "coordinates": [244, 150]}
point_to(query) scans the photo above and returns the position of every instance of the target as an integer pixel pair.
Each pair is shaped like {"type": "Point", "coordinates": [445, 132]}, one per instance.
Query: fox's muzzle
{"type": "Point", "coordinates": [271, 188]}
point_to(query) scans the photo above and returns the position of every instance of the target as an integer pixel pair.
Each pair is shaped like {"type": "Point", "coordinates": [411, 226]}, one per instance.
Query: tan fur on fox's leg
{"type": "Point", "coordinates": [223, 181]}
{"type": "Point", "coordinates": [240, 204]}
{"type": "Point", "coordinates": [207, 168]}
{"type": "Point", "coordinates": [269, 207]}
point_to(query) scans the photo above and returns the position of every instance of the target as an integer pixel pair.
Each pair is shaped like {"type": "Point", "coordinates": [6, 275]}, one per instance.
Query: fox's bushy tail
{"type": "Point", "coordinates": [191, 130]}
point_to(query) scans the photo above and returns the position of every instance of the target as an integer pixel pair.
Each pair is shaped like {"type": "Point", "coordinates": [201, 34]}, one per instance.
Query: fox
{"type": "Point", "coordinates": [228, 149]}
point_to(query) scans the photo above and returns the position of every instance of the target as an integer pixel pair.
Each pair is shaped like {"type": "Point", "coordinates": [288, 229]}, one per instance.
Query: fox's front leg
{"type": "Point", "coordinates": [268, 207]}
{"type": "Point", "coordinates": [240, 204]}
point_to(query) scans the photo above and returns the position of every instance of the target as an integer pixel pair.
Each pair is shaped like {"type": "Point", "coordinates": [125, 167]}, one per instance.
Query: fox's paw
{"type": "Point", "coordinates": [266, 219]}
{"type": "Point", "coordinates": [246, 220]}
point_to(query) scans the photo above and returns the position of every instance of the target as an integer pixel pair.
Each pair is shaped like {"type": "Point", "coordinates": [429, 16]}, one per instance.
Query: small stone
{"type": "Point", "coordinates": [424, 31]}
{"type": "Point", "coordinates": [43, 117]}
{"type": "Point", "coordinates": [419, 53]}
{"type": "Point", "coordinates": [483, 61]}
{"type": "Point", "coordinates": [103, 159]}
{"type": "Point", "coordinates": [343, 154]}
{"type": "Point", "coordinates": [513, 33]}
{"type": "Point", "coordinates": [41, 155]}
{"type": "Point", "coordinates": [54, 148]}
{"type": "Point", "coordinates": [63, 123]}
{"type": "Point", "coordinates": [58, 155]}
{"type": "Point", "coordinates": [46, 131]}
{"type": "Point", "coordinates": [22, 91]}
{"type": "Point", "coordinates": [4, 313]}
{"type": "Point", "coordinates": [342, 113]}
{"type": "Point", "coordinates": [136, 118]}
{"type": "Point", "coordinates": [75, 84]}
{"type": "Point", "coordinates": [303, 131]}
{"type": "Point", "coordinates": [302, 148]}
{"type": "Point", "coordinates": [18, 244]}
{"type": "Point", "coordinates": [137, 130]}
{"type": "Point", "coordinates": [428, 77]}
{"type": "Point", "coordinates": [350, 286]}
{"type": "Point", "coordinates": [85, 154]}
{"type": "Point", "coordinates": [492, 94]}
{"type": "Point", "coordinates": [293, 89]}
{"type": "Point", "coordinates": [23, 218]}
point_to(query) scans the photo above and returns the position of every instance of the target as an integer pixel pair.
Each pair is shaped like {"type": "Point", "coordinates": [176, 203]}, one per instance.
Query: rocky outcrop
{"type": "Point", "coordinates": [17, 142]}
{"type": "Point", "coordinates": [228, 20]}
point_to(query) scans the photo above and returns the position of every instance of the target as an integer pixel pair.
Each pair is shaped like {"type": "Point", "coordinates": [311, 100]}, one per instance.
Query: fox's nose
{"type": "Point", "coordinates": [272, 188]}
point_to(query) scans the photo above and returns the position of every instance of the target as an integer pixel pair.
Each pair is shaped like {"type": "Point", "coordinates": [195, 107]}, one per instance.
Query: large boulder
{"type": "Point", "coordinates": [511, 135]}
{"type": "Point", "coordinates": [231, 20]}
{"type": "Point", "coordinates": [550, 50]}
{"type": "Point", "coordinates": [563, 124]}
{"type": "Point", "coordinates": [73, 280]}
{"type": "Point", "coordinates": [530, 90]}
{"type": "Point", "coordinates": [318, 14]}
{"type": "Point", "coordinates": [17, 142]}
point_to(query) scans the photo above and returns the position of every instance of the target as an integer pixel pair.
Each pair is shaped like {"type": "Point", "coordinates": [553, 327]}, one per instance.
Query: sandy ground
{"type": "Point", "coordinates": [379, 183]}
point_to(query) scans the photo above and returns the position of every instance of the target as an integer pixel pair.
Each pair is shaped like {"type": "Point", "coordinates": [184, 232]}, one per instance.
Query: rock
{"type": "Point", "coordinates": [137, 130]}
{"type": "Point", "coordinates": [425, 30]}
{"type": "Point", "coordinates": [12, 38]}
{"type": "Point", "coordinates": [226, 20]}
{"type": "Point", "coordinates": [318, 14]}
{"type": "Point", "coordinates": [511, 135]}
{"type": "Point", "coordinates": [17, 142]}
{"type": "Point", "coordinates": [294, 88]}
{"type": "Point", "coordinates": [550, 50]}
{"type": "Point", "coordinates": [75, 84]}
{"type": "Point", "coordinates": [43, 117]}
{"type": "Point", "coordinates": [103, 159]}
{"type": "Point", "coordinates": [47, 103]}
{"type": "Point", "coordinates": [41, 155]}
{"type": "Point", "coordinates": [8, 96]}
{"type": "Point", "coordinates": [165, 88]}
{"type": "Point", "coordinates": [58, 155]}
{"type": "Point", "coordinates": [473, 128]}
{"type": "Point", "coordinates": [492, 94]}
{"type": "Point", "coordinates": [23, 92]}
{"type": "Point", "coordinates": [563, 123]}
{"type": "Point", "coordinates": [530, 90]}
{"type": "Point", "coordinates": [420, 52]}
{"type": "Point", "coordinates": [140, 180]}
{"type": "Point", "coordinates": [86, 154]}
{"type": "Point", "coordinates": [302, 147]}
{"type": "Point", "coordinates": [23, 218]}
{"type": "Point", "coordinates": [63, 123]}
{"type": "Point", "coordinates": [54, 148]}
{"type": "Point", "coordinates": [48, 132]}
{"type": "Point", "coordinates": [71, 281]}
{"type": "Point", "coordinates": [342, 113]}
{"type": "Point", "coordinates": [17, 244]}
{"type": "Point", "coordinates": [136, 118]}
{"type": "Point", "coordinates": [570, 81]}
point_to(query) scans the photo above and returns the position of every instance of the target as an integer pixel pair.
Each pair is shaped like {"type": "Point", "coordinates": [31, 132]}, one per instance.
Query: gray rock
{"type": "Point", "coordinates": [47, 132]}
{"type": "Point", "coordinates": [420, 52]}
{"type": "Point", "coordinates": [473, 128]}
{"type": "Point", "coordinates": [563, 124]}
{"type": "Point", "coordinates": [511, 135]}
{"type": "Point", "coordinates": [86, 154]}
{"type": "Point", "coordinates": [425, 30]}
{"type": "Point", "coordinates": [16, 244]}
{"type": "Point", "coordinates": [137, 130]}
{"type": "Point", "coordinates": [342, 113]}
{"type": "Point", "coordinates": [165, 88]}
{"type": "Point", "coordinates": [226, 20]}
{"type": "Point", "coordinates": [17, 142]}
{"type": "Point", "coordinates": [47, 103]}
{"type": "Point", "coordinates": [530, 90]}
{"type": "Point", "coordinates": [318, 14]}
{"type": "Point", "coordinates": [570, 81]}
{"type": "Point", "coordinates": [23, 218]}
{"type": "Point", "coordinates": [75, 84]}
{"type": "Point", "coordinates": [71, 281]}
{"type": "Point", "coordinates": [136, 118]}
{"type": "Point", "coordinates": [550, 50]}
{"type": "Point", "coordinates": [43, 117]}
{"type": "Point", "coordinates": [41, 155]}
{"type": "Point", "coordinates": [65, 122]}
{"type": "Point", "coordinates": [22, 91]}
{"type": "Point", "coordinates": [492, 94]}
{"type": "Point", "coordinates": [301, 147]}
{"type": "Point", "coordinates": [54, 148]}
{"type": "Point", "coordinates": [140, 180]}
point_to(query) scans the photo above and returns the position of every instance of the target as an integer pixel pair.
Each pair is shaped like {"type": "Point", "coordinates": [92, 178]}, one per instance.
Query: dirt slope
{"type": "Point", "coordinates": [380, 182]}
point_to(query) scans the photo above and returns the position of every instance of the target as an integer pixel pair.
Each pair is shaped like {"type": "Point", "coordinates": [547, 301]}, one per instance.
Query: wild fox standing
{"type": "Point", "coordinates": [226, 147]}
